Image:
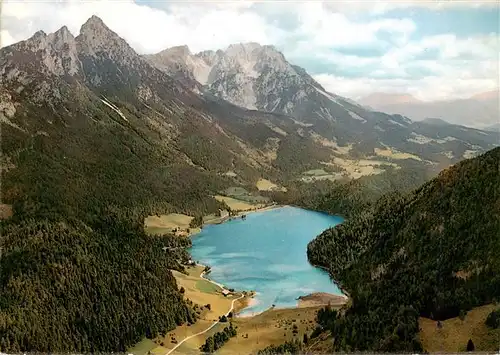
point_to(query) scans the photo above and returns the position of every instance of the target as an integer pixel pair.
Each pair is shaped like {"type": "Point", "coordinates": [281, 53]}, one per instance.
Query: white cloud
{"type": "Point", "coordinates": [5, 38]}
{"type": "Point", "coordinates": [462, 68]}
{"type": "Point", "coordinates": [381, 7]}
{"type": "Point", "coordinates": [429, 89]}
{"type": "Point", "coordinates": [326, 29]}
{"type": "Point", "coordinates": [146, 29]}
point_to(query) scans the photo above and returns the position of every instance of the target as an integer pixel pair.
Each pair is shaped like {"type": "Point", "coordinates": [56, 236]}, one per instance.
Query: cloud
{"type": "Point", "coordinates": [352, 48]}
{"type": "Point", "coordinates": [146, 28]}
{"type": "Point", "coordinates": [381, 7]}
{"type": "Point", "coordinates": [446, 82]}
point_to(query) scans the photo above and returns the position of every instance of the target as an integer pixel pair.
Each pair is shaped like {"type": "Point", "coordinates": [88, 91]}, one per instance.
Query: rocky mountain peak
{"type": "Point", "coordinates": [56, 52]}
{"type": "Point", "coordinates": [239, 49]}
{"type": "Point", "coordinates": [35, 42]}
{"type": "Point", "coordinates": [254, 52]}
{"type": "Point", "coordinates": [38, 35]}
{"type": "Point", "coordinates": [95, 37]}
{"type": "Point", "coordinates": [61, 37]}
{"type": "Point", "coordinates": [181, 51]}
{"type": "Point", "coordinates": [209, 56]}
{"type": "Point", "coordinates": [63, 55]}
{"type": "Point", "coordinates": [94, 24]}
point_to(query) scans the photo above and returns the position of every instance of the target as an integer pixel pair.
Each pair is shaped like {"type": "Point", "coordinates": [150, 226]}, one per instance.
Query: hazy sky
{"type": "Point", "coordinates": [429, 49]}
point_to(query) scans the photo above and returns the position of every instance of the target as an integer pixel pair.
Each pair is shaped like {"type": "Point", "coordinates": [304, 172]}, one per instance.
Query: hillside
{"type": "Point", "coordinates": [351, 197]}
{"type": "Point", "coordinates": [95, 138]}
{"type": "Point", "coordinates": [433, 252]}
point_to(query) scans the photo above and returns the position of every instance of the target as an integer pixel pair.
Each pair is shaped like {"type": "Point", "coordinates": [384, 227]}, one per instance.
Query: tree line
{"type": "Point", "coordinates": [217, 340]}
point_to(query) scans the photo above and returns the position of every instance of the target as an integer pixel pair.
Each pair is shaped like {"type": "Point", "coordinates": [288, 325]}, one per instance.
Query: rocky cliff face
{"type": "Point", "coordinates": [246, 74]}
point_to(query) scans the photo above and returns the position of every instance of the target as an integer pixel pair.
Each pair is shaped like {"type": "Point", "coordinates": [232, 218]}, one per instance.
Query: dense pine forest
{"type": "Point", "coordinates": [434, 252]}
{"type": "Point", "coordinates": [77, 271]}
{"type": "Point", "coordinates": [73, 286]}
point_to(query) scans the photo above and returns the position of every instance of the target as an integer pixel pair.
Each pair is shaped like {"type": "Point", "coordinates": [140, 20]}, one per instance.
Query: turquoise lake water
{"type": "Point", "coordinates": [266, 253]}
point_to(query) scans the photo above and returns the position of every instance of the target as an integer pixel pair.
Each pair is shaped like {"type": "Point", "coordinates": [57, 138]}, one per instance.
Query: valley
{"type": "Point", "coordinates": [124, 174]}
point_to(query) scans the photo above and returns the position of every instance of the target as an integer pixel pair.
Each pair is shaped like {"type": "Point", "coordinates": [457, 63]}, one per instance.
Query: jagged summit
{"type": "Point", "coordinates": [246, 47]}
{"type": "Point", "coordinates": [94, 29]}
{"type": "Point", "coordinates": [60, 37]}
{"type": "Point", "coordinates": [181, 51]}
{"type": "Point", "coordinates": [39, 34]}
{"type": "Point", "coordinates": [95, 37]}
{"type": "Point", "coordinates": [94, 22]}
{"type": "Point", "coordinates": [63, 31]}
{"type": "Point", "coordinates": [250, 75]}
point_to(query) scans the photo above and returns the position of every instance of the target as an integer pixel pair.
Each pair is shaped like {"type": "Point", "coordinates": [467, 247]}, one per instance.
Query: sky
{"type": "Point", "coordinates": [430, 49]}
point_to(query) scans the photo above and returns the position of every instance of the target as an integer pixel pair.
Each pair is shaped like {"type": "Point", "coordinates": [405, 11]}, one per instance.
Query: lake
{"type": "Point", "coordinates": [266, 253]}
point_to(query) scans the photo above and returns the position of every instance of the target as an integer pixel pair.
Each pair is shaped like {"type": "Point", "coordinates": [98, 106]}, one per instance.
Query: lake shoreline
{"type": "Point", "coordinates": [336, 300]}
{"type": "Point", "coordinates": [339, 285]}
{"type": "Point", "coordinates": [221, 220]}
{"type": "Point", "coordinates": [239, 214]}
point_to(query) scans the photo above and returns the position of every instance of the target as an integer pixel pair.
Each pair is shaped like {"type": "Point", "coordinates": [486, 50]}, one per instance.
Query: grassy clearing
{"type": "Point", "coordinates": [393, 154]}
{"type": "Point", "coordinates": [455, 333]}
{"type": "Point", "coordinates": [242, 194]}
{"type": "Point", "coordinates": [321, 299]}
{"type": "Point", "coordinates": [5, 211]}
{"type": "Point", "coordinates": [272, 327]}
{"type": "Point", "coordinates": [358, 168]}
{"type": "Point", "coordinates": [328, 143]}
{"type": "Point", "coordinates": [207, 287]}
{"type": "Point", "coordinates": [236, 204]}
{"type": "Point", "coordinates": [266, 185]}
{"type": "Point", "coordinates": [319, 174]}
{"type": "Point", "coordinates": [167, 223]}
{"type": "Point", "coordinates": [316, 172]}
{"type": "Point", "coordinates": [143, 347]}
{"type": "Point", "coordinates": [201, 292]}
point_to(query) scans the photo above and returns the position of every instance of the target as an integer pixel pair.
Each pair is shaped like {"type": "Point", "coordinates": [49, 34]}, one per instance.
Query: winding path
{"type": "Point", "coordinates": [206, 330]}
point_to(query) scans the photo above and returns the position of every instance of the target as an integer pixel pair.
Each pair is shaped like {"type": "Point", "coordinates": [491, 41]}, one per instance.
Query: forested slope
{"type": "Point", "coordinates": [351, 197]}
{"type": "Point", "coordinates": [432, 252]}
{"type": "Point", "coordinates": [68, 286]}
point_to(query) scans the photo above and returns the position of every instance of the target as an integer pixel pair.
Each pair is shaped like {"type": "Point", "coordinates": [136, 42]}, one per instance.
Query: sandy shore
{"type": "Point", "coordinates": [321, 299]}
{"type": "Point", "coordinates": [220, 220]}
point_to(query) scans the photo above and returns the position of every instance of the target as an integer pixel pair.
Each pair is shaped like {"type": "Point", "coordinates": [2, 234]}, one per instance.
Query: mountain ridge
{"type": "Point", "coordinates": [482, 107]}
{"type": "Point", "coordinates": [260, 78]}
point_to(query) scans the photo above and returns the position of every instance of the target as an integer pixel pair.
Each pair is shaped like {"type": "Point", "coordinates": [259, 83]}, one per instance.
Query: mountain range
{"type": "Point", "coordinates": [260, 78]}
{"type": "Point", "coordinates": [479, 111]}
